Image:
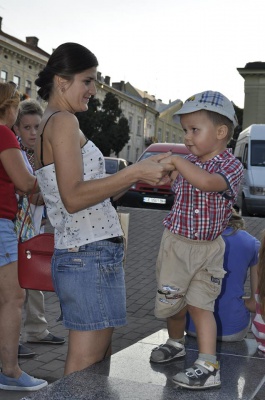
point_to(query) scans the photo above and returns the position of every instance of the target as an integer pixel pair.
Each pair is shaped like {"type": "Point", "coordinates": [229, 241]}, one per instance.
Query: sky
{"type": "Point", "coordinates": [170, 48]}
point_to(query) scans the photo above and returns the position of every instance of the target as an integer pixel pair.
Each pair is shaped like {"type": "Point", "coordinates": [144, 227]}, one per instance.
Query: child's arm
{"type": "Point", "coordinates": [197, 176]}
{"type": "Point", "coordinates": [250, 302]}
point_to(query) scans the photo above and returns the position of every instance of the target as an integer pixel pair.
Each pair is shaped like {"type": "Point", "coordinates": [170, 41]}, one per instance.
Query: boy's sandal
{"type": "Point", "coordinates": [166, 352]}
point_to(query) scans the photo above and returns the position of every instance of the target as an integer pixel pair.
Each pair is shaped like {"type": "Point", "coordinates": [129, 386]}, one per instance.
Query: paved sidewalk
{"type": "Point", "coordinates": [145, 233]}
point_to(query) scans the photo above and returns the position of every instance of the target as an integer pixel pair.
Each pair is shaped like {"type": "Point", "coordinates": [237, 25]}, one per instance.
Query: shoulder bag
{"type": "Point", "coordinates": [34, 259]}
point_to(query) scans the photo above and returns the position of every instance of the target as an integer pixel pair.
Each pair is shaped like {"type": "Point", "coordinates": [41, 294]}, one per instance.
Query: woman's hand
{"type": "Point", "coordinates": [155, 172]}
{"type": "Point", "coordinates": [36, 199]}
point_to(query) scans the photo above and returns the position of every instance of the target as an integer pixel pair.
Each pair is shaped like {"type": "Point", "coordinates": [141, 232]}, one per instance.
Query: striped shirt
{"type": "Point", "coordinates": [201, 215]}
{"type": "Point", "coordinates": [258, 325]}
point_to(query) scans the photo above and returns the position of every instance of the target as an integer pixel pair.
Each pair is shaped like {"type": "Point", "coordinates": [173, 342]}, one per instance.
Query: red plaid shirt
{"type": "Point", "coordinates": [201, 215]}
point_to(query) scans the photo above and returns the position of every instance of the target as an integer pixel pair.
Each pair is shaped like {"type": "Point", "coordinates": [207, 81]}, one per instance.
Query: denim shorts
{"type": "Point", "coordinates": [8, 242]}
{"type": "Point", "coordinates": [90, 285]}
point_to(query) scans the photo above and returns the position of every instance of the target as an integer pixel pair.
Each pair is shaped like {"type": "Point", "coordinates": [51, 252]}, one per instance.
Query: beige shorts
{"type": "Point", "coordinates": [188, 272]}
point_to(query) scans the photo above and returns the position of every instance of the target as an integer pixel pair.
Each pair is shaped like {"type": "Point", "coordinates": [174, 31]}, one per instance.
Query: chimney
{"type": "Point", "coordinates": [32, 40]}
{"type": "Point", "coordinates": [99, 76]}
{"type": "Point", "coordinates": [1, 19]}
{"type": "Point", "coordinates": [107, 80]}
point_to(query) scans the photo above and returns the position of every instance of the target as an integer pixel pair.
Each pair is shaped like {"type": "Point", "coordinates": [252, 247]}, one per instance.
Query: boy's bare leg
{"type": "Point", "coordinates": [205, 372]}
{"type": "Point", "coordinates": [176, 324]}
{"type": "Point", "coordinates": [206, 331]}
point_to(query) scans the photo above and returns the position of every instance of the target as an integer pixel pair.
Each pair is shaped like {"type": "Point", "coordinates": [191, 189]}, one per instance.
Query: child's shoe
{"type": "Point", "coordinates": [202, 375]}
{"type": "Point", "coordinates": [167, 352]}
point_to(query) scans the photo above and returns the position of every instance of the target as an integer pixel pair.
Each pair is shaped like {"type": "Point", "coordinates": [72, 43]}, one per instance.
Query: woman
{"type": "Point", "coordinates": [13, 174]}
{"type": "Point", "coordinates": [87, 264]}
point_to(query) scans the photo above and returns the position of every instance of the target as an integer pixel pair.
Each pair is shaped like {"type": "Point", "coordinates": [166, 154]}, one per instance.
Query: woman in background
{"type": "Point", "coordinates": [13, 174]}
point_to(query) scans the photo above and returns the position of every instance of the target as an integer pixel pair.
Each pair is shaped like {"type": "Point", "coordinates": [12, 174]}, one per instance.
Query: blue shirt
{"type": "Point", "coordinates": [241, 252]}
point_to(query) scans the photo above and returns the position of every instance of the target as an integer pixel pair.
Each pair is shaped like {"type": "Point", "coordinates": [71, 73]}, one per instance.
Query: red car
{"type": "Point", "coordinates": [143, 195]}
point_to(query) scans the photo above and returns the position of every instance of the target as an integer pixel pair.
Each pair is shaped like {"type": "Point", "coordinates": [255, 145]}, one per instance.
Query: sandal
{"type": "Point", "coordinates": [167, 352]}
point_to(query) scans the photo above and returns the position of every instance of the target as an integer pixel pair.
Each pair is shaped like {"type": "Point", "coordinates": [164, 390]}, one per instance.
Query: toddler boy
{"type": "Point", "coordinates": [189, 267]}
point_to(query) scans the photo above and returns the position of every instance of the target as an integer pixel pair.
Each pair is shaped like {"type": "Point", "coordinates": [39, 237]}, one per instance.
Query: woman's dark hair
{"type": "Point", "coordinates": [66, 61]}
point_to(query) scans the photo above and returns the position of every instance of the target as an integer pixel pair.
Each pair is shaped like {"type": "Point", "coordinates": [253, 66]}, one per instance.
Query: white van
{"type": "Point", "coordinates": [250, 150]}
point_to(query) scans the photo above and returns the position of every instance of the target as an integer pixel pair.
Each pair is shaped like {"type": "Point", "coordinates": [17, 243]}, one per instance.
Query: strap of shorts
{"type": "Point", "coordinates": [41, 138]}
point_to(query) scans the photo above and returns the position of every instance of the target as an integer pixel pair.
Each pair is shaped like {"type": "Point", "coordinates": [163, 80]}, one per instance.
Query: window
{"type": "Point", "coordinates": [258, 153]}
{"type": "Point", "coordinates": [245, 155]}
{"type": "Point", "coordinates": [128, 153]}
{"type": "Point", "coordinates": [28, 88]}
{"type": "Point", "coordinates": [167, 137]}
{"type": "Point", "coordinates": [130, 120]}
{"type": "Point", "coordinates": [159, 135]}
{"type": "Point", "coordinates": [3, 76]}
{"type": "Point", "coordinates": [16, 80]}
{"type": "Point", "coordinates": [139, 126]}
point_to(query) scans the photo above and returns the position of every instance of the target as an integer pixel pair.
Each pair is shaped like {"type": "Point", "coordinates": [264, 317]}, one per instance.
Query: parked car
{"type": "Point", "coordinates": [143, 195]}
{"type": "Point", "coordinates": [250, 150]}
{"type": "Point", "coordinates": [114, 164]}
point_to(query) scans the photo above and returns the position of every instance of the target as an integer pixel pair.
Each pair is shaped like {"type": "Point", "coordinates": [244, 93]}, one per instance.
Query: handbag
{"type": "Point", "coordinates": [34, 260]}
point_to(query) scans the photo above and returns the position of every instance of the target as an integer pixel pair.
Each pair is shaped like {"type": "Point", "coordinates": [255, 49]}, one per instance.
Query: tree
{"type": "Point", "coordinates": [113, 127]}
{"type": "Point", "coordinates": [105, 126]}
{"type": "Point", "coordinates": [89, 120]}
{"type": "Point", "coordinates": [238, 129]}
{"type": "Point", "coordinates": [121, 137]}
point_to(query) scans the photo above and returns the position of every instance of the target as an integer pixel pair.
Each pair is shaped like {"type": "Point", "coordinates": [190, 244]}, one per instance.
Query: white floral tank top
{"type": "Point", "coordinates": [89, 225]}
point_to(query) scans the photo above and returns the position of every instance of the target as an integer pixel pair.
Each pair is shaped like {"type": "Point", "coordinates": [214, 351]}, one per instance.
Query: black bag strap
{"type": "Point", "coordinates": [27, 210]}
{"type": "Point", "coordinates": [41, 138]}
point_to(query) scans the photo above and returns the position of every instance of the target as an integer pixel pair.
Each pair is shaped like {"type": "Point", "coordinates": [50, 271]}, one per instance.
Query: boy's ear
{"type": "Point", "coordinates": [16, 130]}
{"type": "Point", "coordinates": [222, 132]}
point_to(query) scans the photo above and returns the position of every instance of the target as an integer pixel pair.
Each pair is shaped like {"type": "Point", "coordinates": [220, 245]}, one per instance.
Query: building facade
{"type": "Point", "coordinates": [254, 86]}
{"type": "Point", "coordinates": [21, 62]}
{"type": "Point", "coordinates": [149, 119]}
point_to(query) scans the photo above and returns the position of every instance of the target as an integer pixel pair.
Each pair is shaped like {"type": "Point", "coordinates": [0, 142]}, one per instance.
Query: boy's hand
{"type": "Point", "coordinates": [167, 159]}
{"type": "Point", "coordinates": [173, 176]}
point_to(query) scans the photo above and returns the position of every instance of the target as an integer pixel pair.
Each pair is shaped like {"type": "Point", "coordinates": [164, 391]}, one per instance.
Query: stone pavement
{"type": "Point", "coordinates": [145, 233]}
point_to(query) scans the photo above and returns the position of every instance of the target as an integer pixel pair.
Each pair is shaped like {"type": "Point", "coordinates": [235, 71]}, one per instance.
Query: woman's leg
{"type": "Point", "coordinates": [11, 303]}
{"type": "Point", "coordinates": [86, 348]}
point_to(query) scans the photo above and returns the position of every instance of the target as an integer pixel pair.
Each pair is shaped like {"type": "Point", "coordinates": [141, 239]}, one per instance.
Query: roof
{"type": "Point", "coordinates": [25, 44]}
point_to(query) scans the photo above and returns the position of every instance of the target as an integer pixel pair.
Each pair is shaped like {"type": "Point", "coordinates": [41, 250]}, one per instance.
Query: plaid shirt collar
{"type": "Point", "coordinates": [219, 157]}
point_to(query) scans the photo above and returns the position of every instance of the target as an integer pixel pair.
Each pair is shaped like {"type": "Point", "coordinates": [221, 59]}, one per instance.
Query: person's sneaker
{"type": "Point", "coordinates": [25, 352]}
{"type": "Point", "coordinates": [49, 339]}
{"type": "Point", "coordinates": [261, 348]}
{"type": "Point", "coordinates": [24, 383]}
{"type": "Point", "coordinates": [202, 375]}
{"type": "Point", "coordinates": [167, 352]}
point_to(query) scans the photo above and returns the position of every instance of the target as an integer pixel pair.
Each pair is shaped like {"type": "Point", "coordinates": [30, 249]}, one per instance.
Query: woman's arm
{"type": "Point", "coordinates": [250, 302]}
{"type": "Point", "coordinates": [65, 139]}
{"type": "Point", "coordinates": [17, 171]}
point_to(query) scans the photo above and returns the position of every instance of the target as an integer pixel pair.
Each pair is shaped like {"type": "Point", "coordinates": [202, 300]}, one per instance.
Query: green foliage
{"type": "Point", "coordinates": [238, 129]}
{"type": "Point", "coordinates": [104, 125]}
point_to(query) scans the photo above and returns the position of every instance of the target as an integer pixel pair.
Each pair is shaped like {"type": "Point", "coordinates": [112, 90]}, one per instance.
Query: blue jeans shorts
{"type": "Point", "coordinates": [8, 242]}
{"type": "Point", "coordinates": [90, 285]}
